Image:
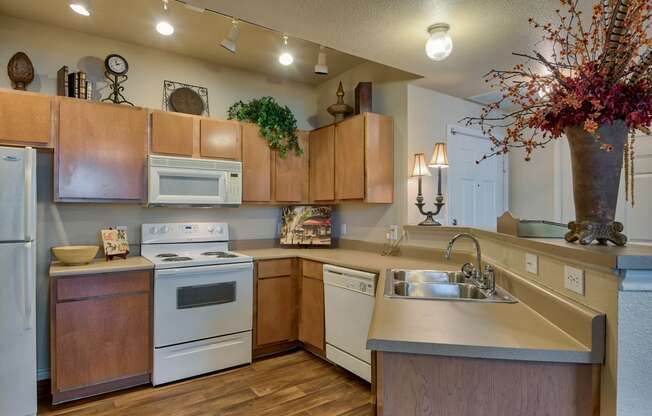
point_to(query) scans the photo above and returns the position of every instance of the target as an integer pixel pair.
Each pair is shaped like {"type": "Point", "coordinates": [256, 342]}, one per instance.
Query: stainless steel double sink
{"type": "Point", "coordinates": [439, 285]}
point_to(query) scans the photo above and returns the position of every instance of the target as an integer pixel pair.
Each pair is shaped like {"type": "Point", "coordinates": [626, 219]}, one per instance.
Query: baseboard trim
{"type": "Point", "coordinates": [42, 374]}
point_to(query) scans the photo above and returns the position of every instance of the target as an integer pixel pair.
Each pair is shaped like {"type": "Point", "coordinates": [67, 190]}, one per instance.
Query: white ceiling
{"type": "Point", "coordinates": [196, 35]}
{"type": "Point", "coordinates": [393, 32]}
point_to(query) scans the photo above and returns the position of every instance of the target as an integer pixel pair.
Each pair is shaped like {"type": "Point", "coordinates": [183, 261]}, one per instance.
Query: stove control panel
{"type": "Point", "coordinates": [184, 232]}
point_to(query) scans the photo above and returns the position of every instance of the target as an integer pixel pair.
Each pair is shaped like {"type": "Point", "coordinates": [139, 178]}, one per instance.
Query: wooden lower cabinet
{"type": "Point", "coordinates": [100, 333]}
{"type": "Point", "coordinates": [275, 310]}
{"type": "Point", "coordinates": [312, 319]}
{"type": "Point", "coordinates": [274, 319]}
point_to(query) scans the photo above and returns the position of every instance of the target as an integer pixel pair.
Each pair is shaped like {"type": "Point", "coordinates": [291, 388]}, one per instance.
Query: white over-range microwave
{"type": "Point", "coordinates": [185, 181]}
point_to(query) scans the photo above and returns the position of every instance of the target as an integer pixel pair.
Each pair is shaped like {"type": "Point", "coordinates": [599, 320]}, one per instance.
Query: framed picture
{"type": "Point", "coordinates": [306, 225]}
{"type": "Point", "coordinates": [185, 98]}
{"type": "Point", "coordinates": [115, 243]}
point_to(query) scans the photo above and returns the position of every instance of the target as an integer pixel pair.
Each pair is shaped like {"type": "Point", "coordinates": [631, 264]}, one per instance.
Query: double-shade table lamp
{"type": "Point", "coordinates": [440, 161]}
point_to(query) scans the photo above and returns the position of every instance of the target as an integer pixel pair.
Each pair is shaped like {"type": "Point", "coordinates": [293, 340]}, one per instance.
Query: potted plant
{"type": "Point", "coordinates": [596, 88]}
{"type": "Point", "coordinates": [277, 124]}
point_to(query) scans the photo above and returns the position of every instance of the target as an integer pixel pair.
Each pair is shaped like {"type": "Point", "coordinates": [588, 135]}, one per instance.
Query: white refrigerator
{"type": "Point", "coordinates": [17, 281]}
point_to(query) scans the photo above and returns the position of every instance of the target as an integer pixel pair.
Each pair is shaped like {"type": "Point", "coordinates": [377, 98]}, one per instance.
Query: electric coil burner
{"type": "Point", "coordinates": [203, 296]}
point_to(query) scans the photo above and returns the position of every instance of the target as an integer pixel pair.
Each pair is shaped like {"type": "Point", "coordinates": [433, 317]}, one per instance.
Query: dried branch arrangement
{"type": "Point", "coordinates": [595, 74]}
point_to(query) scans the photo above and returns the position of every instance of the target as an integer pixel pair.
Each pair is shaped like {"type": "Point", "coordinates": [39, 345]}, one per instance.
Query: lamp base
{"type": "Point", "coordinates": [430, 222]}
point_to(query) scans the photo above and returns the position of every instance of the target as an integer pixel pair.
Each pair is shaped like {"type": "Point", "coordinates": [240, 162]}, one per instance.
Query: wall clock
{"type": "Point", "coordinates": [116, 64]}
{"type": "Point", "coordinates": [115, 70]}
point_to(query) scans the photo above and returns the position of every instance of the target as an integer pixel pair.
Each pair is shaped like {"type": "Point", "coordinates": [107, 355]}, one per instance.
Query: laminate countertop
{"type": "Point", "coordinates": [510, 331]}
{"type": "Point", "coordinates": [58, 269]}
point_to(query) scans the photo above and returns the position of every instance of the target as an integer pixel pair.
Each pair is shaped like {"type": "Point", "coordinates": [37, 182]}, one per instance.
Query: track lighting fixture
{"type": "Point", "coordinates": [81, 7]}
{"type": "Point", "coordinates": [285, 58]}
{"type": "Point", "coordinates": [164, 27]}
{"type": "Point", "coordinates": [232, 38]}
{"type": "Point", "coordinates": [321, 68]}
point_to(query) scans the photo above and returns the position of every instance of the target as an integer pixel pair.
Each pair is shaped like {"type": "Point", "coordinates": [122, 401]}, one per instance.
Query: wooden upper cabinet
{"type": "Point", "coordinates": [379, 159]}
{"type": "Point", "coordinates": [256, 165]}
{"type": "Point", "coordinates": [350, 158]}
{"type": "Point", "coordinates": [291, 182]}
{"type": "Point", "coordinates": [101, 152]}
{"type": "Point", "coordinates": [322, 164]}
{"type": "Point", "coordinates": [172, 134]}
{"type": "Point", "coordinates": [220, 139]}
{"type": "Point", "coordinates": [25, 118]}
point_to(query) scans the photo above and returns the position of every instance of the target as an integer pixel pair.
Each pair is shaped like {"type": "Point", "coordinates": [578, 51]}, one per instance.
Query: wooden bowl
{"type": "Point", "coordinates": [75, 255]}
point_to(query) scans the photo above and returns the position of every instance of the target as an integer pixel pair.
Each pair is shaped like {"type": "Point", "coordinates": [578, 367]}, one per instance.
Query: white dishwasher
{"type": "Point", "coordinates": [349, 303]}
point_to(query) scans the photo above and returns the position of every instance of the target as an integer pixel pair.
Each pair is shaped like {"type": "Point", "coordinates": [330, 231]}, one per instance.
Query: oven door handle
{"type": "Point", "coordinates": [203, 269]}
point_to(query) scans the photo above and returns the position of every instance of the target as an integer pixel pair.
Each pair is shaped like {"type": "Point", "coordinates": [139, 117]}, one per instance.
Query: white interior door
{"type": "Point", "coordinates": [636, 219]}
{"type": "Point", "coordinates": [476, 191]}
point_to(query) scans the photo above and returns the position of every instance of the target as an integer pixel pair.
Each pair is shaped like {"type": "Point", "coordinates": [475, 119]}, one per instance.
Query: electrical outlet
{"type": "Point", "coordinates": [342, 229]}
{"type": "Point", "coordinates": [532, 263]}
{"type": "Point", "coordinates": [574, 279]}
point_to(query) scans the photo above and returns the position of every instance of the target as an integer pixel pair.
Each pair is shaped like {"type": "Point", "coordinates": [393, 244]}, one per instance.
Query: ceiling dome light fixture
{"type": "Point", "coordinates": [285, 58]}
{"type": "Point", "coordinates": [80, 7]}
{"type": "Point", "coordinates": [232, 38]}
{"type": "Point", "coordinates": [439, 44]}
{"type": "Point", "coordinates": [164, 27]}
{"type": "Point", "coordinates": [321, 68]}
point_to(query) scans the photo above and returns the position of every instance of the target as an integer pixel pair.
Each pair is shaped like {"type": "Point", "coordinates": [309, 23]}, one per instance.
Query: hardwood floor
{"type": "Point", "coordinates": [297, 383]}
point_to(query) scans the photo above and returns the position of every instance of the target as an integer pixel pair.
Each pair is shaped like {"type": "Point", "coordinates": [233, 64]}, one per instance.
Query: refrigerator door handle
{"type": "Point", "coordinates": [29, 195]}
{"type": "Point", "coordinates": [28, 279]}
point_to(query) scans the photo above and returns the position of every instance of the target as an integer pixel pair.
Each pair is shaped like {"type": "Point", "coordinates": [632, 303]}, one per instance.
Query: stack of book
{"type": "Point", "coordinates": [73, 84]}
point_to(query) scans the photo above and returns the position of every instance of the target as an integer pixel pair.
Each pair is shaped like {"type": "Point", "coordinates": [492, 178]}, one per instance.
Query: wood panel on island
{"type": "Point", "coordinates": [100, 333]}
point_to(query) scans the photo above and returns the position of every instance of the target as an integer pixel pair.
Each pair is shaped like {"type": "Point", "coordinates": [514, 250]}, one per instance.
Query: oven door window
{"type": "Point", "coordinates": [204, 295]}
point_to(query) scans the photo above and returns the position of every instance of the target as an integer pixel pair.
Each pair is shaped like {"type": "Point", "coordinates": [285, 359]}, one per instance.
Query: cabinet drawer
{"type": "Point", "coordinates": [87, 286]}
{"type": "Point", "coordinates": [312, 269]}
{"type": "Point", "coordinates": [273, 268]}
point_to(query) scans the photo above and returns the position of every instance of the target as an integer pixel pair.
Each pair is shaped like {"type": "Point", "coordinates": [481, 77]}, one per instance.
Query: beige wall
{"type": "Point", "coordinates": [532, 184]}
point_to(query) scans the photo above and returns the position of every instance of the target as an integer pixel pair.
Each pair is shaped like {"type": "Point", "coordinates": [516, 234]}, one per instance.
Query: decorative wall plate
{"type": "Point", "coordinates": [185, 98]}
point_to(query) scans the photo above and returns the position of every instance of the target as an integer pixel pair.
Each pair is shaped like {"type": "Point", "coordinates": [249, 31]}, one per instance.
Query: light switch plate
{"type": "Point", "coordinates": [343, 229]}
{"type": "Point", "coordinates": [574, 279]}
{"type": "Point", "coordinates": [532, 263]}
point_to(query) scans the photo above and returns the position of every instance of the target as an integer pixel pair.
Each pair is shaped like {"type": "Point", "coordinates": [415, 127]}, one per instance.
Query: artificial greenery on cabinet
{"type": "Point", "coordinates": [277, 123]}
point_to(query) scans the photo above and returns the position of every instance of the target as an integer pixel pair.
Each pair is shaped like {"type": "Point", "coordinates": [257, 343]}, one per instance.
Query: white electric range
{"type": "Point", "coordinates": [203, 296]}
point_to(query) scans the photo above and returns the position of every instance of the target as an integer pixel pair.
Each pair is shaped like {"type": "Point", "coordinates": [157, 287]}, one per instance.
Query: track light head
{"type": "Point", "coordinates": [229, 43]}
{"type": "Point", "coordinates": [321, 68]}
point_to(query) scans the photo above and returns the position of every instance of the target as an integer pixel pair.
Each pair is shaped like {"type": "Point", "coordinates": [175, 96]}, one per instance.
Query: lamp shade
{"type": "Point", "coordinates": [439, 156]}
{"type": "Point", "coordinates": [420, 167]}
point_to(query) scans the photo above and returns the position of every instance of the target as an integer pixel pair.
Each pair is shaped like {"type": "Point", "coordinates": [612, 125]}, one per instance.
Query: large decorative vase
{"type": "Point", "coordinates": [596, 181]}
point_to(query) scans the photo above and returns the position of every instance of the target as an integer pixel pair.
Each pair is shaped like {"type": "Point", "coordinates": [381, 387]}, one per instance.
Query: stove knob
{"type": "Point", "coordinates": [163, 229]}
{"type": "Point", "coordinates": [220, 229]}
{"type": "Point", "coordinates": [211, 229]}
{"type": "Point", "coordinates": [153, 230]}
